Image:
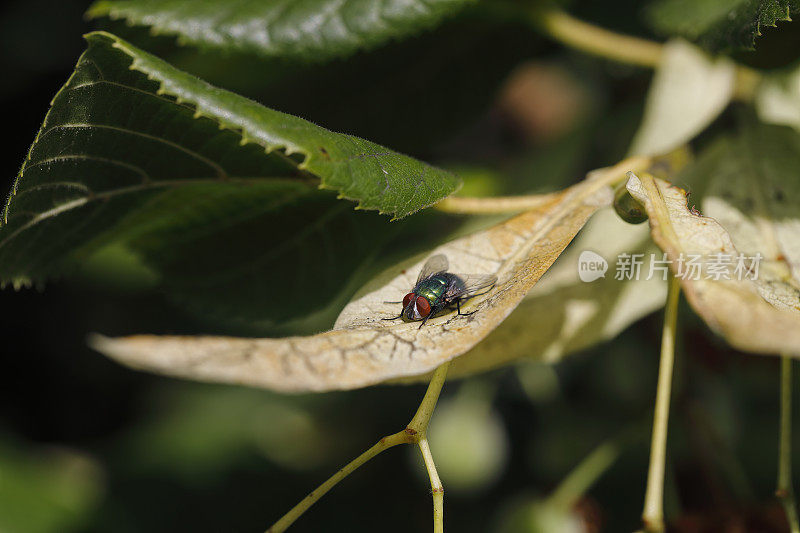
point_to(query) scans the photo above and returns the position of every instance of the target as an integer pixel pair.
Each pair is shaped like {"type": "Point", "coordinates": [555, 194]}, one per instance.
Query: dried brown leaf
{"type": "Point", "coordinates": [362, 349]}
{"type": "Point", "coordinates": [563, 314]}
{"type": "Point", "coordinates": [758, 315]}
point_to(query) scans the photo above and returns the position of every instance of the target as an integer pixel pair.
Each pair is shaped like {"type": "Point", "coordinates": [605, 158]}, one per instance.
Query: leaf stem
{"type": "Point", "coordinates": [436, 486]}
{"type": "Point", "coordinates": [495, 205]}
{"type": "Point", "coordinates": [414, 433]}
{"type": "Point", "coordinates": [608, 176]}
{"type": "Point", "coordinates": [586, 473]}
{"type": "Point", "coordinates": [419, 423]}
{"type": "Point", "coordinates": [596, 40]}
{"type": "Point", "coordinates": [384, 444]}
{"type": "Point", "coordinates": [785, 490]}
{"type": "Point", "coordinates": [653, 513]}
{"type": "Point", "coordinates": [601, 42]}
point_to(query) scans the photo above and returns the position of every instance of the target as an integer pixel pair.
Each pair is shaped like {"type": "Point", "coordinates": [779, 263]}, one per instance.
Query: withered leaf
{"type": "Point", "coordinates": [756, 312]}
{"type": "Point", "coordinates": [362, 349]}
{"type": "Point", "coordinates": [563, 314]}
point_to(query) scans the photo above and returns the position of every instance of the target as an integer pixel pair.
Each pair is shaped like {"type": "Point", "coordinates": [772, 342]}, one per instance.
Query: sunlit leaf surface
{"type": "Point", "coordinates": [217, 193]}
{"type": "Point", "coordinates": [562, 314]}
{"type": "Point", "coordinates": [363, 349]}
{"type": "Point", "coordinates": [305, 29]}
{"type": "Point", "coordinates": [689, 90]}
{"type": "Point", "coordinates": [759, 312]}
{"type": "Point", "coordinates": [777, 98]}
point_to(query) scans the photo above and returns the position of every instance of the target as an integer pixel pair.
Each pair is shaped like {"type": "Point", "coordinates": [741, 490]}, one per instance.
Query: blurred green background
{"type": "Point", "coordinates": [86, 445]}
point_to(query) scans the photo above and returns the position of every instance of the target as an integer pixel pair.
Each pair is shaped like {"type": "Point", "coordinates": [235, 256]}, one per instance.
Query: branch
{"type": "Point", "coordinates": [413, 433]}
{"type": "Point", "coordinates": [384, 444]}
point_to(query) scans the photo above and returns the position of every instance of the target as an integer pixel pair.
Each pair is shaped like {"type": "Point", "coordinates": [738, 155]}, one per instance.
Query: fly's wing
{"type": "Point", "coordinates": [435, 264]}
{"type": "Point", "coordinates": [472, 284]}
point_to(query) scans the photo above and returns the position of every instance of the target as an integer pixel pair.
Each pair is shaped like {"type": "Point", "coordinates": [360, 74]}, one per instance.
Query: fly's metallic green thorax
{"type": "Point", "coordinates": [434, 288]}
{"type": "Point", "coordinates": [437, 290]}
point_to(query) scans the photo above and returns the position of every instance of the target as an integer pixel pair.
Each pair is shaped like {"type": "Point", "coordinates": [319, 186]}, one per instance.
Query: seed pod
{"type": "Point", "coordinates": [627, 207]}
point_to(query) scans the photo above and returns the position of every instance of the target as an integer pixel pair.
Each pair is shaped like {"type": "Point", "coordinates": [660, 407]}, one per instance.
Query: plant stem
{"type": "Point", "coordinates": [595, 40]}
{"type": "Point", "coordinates": [588, 471]}
{"type": "Point", "coordinates": [384, 444]}
{"type": "Point", "coordinates": [603, 177]}
{"type": "Point", "coordinates": [653, 514]}
{"type": "Point", "coordinates": [419, 423]}
{"type": "Point", "coordinates": [785, 490]}
{"type": "Point", "coordinates": [436, 487]}
{"type": "Point", "coordinates": [746, 84]}
{"type": "Point", "coordinates": [494, 205]}
{"type": "Point", "coordinates": [413, 433]}
{"type": "Point", "coordinates": [598, 41]}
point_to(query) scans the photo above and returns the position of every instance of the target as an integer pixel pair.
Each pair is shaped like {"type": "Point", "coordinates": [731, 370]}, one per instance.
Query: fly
{"type": "Point", "coordinates": [436, 290]}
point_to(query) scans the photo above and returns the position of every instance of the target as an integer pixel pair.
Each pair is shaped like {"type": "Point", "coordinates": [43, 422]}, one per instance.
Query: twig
{"type": "Point", "coordinates": [653, 514]}
{"type": "Point", "coordinates": [587, 472]}
{"type": "Point", "coordinates": [603, 177]}
{"type": "Point", "coordinates": [423, 415]}
{"type": "Point", "coordinates": [598, 41]}
{"type": "Point", "coordinates": [495, 205]}
{"type": "Point", "coordinates": [412, 434]}
{"type": "Point", "coordinates": [436, 487]}
{"type": "Point", "coordinates": [595, 40]}
{"type": "Point", "coordinates": [384, 444]}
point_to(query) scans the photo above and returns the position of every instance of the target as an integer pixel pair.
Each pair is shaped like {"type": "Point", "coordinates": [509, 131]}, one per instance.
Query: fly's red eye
{"type": "Point", "coordinates": [407, 299]}
{"type": "Point", "coordinates": [423, 306]}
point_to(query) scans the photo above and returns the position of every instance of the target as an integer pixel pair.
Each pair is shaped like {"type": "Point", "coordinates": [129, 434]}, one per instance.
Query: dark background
{"type": "Point", "coordinates": [86, 445]}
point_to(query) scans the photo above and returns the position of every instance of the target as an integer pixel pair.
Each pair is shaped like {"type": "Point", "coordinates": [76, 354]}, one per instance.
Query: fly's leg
{"type": "Point", "coordinates": [394, 318]}
{"type": "Point", "coordinates": [458, 305]}
{"type": "Point", "coordinates": [425, 320]}
{"type": "Point", "coordinates": [393, 302]}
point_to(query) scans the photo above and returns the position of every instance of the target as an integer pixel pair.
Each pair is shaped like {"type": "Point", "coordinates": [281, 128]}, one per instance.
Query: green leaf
{"type": "Point", "coordinates": [135, 149]}
{"type": "Point", "coordinates": [47, 489]}
{"type": "Point", "coordinates": [719, 24]}
{"type": "Point", "coordinates": [225, 252]}
{"type": "Point", "coordinates": [305, 29]}
{"type": "Point", "coordinates": [468, 51]}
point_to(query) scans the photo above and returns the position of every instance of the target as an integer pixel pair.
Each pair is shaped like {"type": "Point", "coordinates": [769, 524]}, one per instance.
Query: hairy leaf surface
{"type": "Point", "coordinates": [305, 29]}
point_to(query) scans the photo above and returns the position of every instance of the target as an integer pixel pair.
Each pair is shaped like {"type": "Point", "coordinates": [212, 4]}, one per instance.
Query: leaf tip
{"type": "Point", "coordinates": [97, 342]}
